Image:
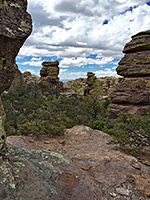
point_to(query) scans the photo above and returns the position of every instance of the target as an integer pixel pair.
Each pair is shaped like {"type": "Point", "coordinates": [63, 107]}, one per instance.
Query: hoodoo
{"type": "Point", "coordinates": [49, 73]}
{"type": "Point", "coordinates": [132, 93]}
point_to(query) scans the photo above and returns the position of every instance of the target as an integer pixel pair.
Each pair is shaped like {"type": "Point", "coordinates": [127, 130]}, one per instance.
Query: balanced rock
{"type": "Point", "coordinates": [91, 79]}
{"type": "Point", "coordinates": [15, 27]}
{"type": "Point", "coordinates": [49, 73]}
{"type": "Point", "coordinates": [132, 93]}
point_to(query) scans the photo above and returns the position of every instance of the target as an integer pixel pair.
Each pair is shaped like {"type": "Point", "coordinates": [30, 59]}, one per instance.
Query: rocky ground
{"type": "Point", "coordinates": [83, 167]}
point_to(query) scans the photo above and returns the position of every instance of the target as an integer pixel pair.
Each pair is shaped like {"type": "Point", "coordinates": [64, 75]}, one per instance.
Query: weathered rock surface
{"type": "Point", "coordinates": [84, 167]}
{"type": "Point", "coordinates": [29, 78]}
{"type": "Point", "coordinates": [75, 87]}
{"type": "Point", "coordinates": [135, 64]}
{"type": "Point", "coordinates": [91, 80]}
{"type": "Point", "coordinates": [132, 94]}
{"type": "Point", "coordinates": [49, 73]}
{"type": "Point", "coordinates": [18, 78]}
{"type": "Point", "coordinates": [80, 86]}
{"type": "Point", "coordinates": [139, 42]}
{"type": "Point", "coordinates": [15, 27]}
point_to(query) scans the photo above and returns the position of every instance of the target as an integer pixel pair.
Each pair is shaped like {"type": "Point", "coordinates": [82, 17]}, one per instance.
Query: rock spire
{"type": "Point", "coordinates": [49, 73]}
{"type": "Point", "coordinates": [132, 93]}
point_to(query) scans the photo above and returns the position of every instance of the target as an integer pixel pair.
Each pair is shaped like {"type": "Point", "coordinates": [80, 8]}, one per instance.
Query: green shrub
{"type": "Point", "coordinates": [131, 131]}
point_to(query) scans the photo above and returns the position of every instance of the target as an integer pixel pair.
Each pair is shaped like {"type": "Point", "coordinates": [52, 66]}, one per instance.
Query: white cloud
{"type": "Point", "coordinates": [106, 72]}
{"type": "Point", "coordinates": [78, 62]}
{"type": "Point", "coordinates": [99, 73]}
{"type": "Point", "coordinates": [36, 59]}
{"type": "Point", "coordinates": [74, 29]}
{"type": "Point", "coordinates": [30, 70]}
{"type": "Point", "coordinates": [36, 63]}
{"type": "Point", "coordinates": [62, 71]}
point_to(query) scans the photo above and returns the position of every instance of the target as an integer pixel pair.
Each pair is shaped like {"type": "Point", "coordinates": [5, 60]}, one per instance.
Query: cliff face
{"type": "Point", "coordinates": [132, 94]}
{"type": "Point", "coordinates": [15, 27]}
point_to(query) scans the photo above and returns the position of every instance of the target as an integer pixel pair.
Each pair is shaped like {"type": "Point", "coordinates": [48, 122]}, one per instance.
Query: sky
{"type": "Point", "coordinates": [83, 35]}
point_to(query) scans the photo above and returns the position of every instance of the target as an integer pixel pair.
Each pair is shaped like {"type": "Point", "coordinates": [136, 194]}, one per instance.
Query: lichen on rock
{"type": "Point", "coordinates": [132, 93]}
{"type": "Point", "coordinates": [15, 27]}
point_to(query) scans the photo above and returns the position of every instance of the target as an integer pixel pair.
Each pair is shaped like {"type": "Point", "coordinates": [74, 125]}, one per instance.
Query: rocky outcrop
{"type": "Point", "coordinates": [49, 73]}
{"type": "Point", "coordinates": [15, 27]}
{"type": "Point", "coordinates": [132, 94]}
{"type": "Point", "coordinates": [108, 84]}
{"type": "Point", "coordinates": [79, 165]}
{"type": "Point", "coordinates": [83, 86]}
{"type": "Point", "coordinates": [75, 87]}
{"type": "Point", "coordinates": [29, 78]}
{"type": "Point", "coordinates": [18, 78]}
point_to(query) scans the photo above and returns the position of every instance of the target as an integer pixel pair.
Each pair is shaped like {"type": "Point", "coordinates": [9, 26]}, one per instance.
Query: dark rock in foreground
{"type": "Point", "coordinates": [84, 168]}
{"type": "Point", "coordinates": [41, 175]}
{"type": "Point", "coordinates": [15, 27]}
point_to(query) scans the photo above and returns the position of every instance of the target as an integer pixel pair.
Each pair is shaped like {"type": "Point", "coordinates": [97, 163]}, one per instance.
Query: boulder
{"type": "Point", "coordinates": [15, 27]}
{"type": "Point", "coordinates": [132, 93]}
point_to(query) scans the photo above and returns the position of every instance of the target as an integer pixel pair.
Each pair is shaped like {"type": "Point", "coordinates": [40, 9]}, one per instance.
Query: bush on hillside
{"type": "Point", "coordinates": [130, 130]}
{"type": "Point", "coordinates": [38, 109]}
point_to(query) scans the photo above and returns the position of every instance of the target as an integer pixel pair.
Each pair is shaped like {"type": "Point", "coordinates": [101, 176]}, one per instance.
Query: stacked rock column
{"type": "Point", "coordinates": [49, 73]}
{"type": "Point", "coordinates": [132, 93]}
{"type": "Point", "coordinates": [91, 79]}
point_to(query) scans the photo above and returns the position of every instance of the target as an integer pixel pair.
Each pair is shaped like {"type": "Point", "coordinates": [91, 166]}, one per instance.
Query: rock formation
{"type": "Point", "coordinates": [18, 78]}
{"type": "Point", "coordinates": [132, 94]}
{"type": "Point", "coordinates": [91, 79]}
{"type": "Point", "coordinates": [49, 73]}
{"type": "Point", "coordinates": [15, 27]}
{"type": "Point", "coordinates": [29, 78]}
{"type": "Point", "coordinates": [82, 86]}
{"type": "Point", "coordinates": [78, 166]}
{"type": "Point", "coordinates": [74, 88]}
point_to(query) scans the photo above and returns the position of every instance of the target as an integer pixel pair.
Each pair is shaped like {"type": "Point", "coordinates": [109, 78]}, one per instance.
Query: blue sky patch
{"type": "Point", "coordinates": [148, 3]}
{"type": "Point", "coordinates": [105, 21]}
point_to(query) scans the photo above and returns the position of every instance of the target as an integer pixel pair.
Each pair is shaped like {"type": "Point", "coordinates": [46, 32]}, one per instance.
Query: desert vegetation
{"type": "Point", "coordinates": [37, 109]}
